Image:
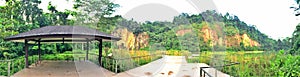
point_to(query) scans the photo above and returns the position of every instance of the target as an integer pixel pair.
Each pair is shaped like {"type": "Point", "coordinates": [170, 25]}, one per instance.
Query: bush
{"type": "Point", "coordinates": [286, 65]}
{"type": "Point", "coordinates": [68, 52]}
{"type": "Point", "coordinates": [58, 57]}
{"type": "Point", "coordinates": [17, 64]}
{"type": "Point", "coordinates": [49, 57]}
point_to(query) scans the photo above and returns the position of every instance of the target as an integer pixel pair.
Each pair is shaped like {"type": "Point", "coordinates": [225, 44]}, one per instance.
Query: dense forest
{"type": "Point", "coordinates": [210, 31]}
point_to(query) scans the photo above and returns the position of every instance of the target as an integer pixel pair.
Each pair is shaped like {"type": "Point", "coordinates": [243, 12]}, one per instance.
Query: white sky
{"type": "Point", "coordinates": [272, 17]}
{"type": "Point", "coordinates": [61, 5]}
{"type": "Point", "coordinates": [127, 5]}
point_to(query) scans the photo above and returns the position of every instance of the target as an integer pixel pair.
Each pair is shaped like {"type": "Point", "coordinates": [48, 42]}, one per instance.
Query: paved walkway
{"type": "Point", "coordinates": [64, 69]}
{"type": "Point", "coordinates": [168, 66]}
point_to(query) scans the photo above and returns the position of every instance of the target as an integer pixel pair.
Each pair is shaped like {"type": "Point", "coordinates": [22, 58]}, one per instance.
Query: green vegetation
{"type": "Point", "coordinates": [17, 64]}
{"type": "Point", "coordinates": [199, 33]}
{"type": "Point", "coordinates": [286, 65]}
{"type": "Point", "coordinates": [296, 41]}
{"type": "Point", "coordinates": [253, 64]}
{"type": "Point", "coordinates": [207, 33]}
{"type": "Point", "coordinates": [125, 60]}
{"type": "Point", "coordinates": [162, 33]}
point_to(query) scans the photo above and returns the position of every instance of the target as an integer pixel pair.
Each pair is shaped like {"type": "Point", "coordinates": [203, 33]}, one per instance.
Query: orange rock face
{"type": "Point", "coordinates": [182, 32]}
{"type": "Point", "coordinates": [131, 41]}
{"type": "Point", "coordinates": [211, 36]}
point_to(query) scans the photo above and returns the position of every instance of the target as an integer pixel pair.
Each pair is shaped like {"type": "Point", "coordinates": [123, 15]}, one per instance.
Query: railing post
{"type": "Point", "coordinates": [35, 61]}
{"type": "Point", "coordinates": [105, 64]}
{"type": "Point", "coordinates": [116, 68]}
{"type": "Point", "coordinates": [139, 61]}
{"type": "Point", "coordinates": [200, 71]}
{"type": "Point", "coordinates": [8, 69]}
{"type": "Point", "coordinates": [12, 65]}
{"type": "Point", "coordinates": [151, 57]}
{"type": "Point", "coordinates": [30, 61]}
{"type": "Point", "coordinates": [112, 64]}
{"type": "Point", "coordinates": [216, 73]}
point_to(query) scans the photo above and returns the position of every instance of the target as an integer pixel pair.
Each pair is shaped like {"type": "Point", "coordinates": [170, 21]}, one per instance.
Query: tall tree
{"type": "Point", "coordinates": [56, 17]}
{"type": "Point", "coordinates": [91, 11]}
{"type": "Point", "coordinates": [296, 41]}
{"type": "Point", "coordinates": [296, 8]}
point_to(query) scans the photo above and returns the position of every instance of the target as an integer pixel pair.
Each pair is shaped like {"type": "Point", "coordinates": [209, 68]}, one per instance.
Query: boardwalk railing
{"type": "Point", "coordinates": [204, 73]}
{"type": "Point", "coordinates": [124, 63]}
{"type": "Point", "coordinates": [194, 58]}
{"type": "Point", "coordinates": [9, 67]}
{"type": "Point", "coordinates": [226, 63]}
{"type": "Point", "coordinates": [9, 62]}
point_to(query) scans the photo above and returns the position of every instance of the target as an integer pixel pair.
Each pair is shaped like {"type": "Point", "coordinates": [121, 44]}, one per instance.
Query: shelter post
{"type": "Point", "coordinates": [100, 52]}
{"type": "Point", "coordinates": [26, 53]}
{"type": "Point", "coordinates": [39, 51]}
{"type": "Point", "coordinates": [87, 50]}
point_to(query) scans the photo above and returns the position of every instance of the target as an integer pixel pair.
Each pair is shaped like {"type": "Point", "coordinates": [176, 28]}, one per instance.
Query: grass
{"type": "Point", "coordinates": [255, 63]}
{"type": "Point", "coordinates": [251, 64]}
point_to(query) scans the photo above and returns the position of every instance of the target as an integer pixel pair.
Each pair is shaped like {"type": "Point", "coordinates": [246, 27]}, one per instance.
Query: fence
{"type": "Point", "coordinates": [204, 73]}
{"type": "Point", "coordinates": [9, 67]}
{"type": "Point", "coordinates": [3, 66]}
{"type": "Point", "coordinates": [122, 64]}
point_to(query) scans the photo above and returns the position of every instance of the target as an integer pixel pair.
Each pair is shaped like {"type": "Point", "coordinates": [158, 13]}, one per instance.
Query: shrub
{"type": "Point", "coordinates": [286, 65]}
{"type": "Point", "coordinates": [68, 52]}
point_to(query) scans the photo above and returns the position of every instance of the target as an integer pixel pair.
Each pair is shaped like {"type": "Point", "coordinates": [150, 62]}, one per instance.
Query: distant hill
{"type": "Point", "coordinates": [203, 32]}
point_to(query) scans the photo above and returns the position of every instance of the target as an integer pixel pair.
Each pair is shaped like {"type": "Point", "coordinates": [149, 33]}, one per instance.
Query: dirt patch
{"type": "Point", "coordinates": [182, 32]}
{"type": "Point", "coordinates": [194, 68]}
{"type": "Point", "coordinates": [148, 73]}
{"type": "Point", "coordinates": [186, 76]}
{"type": "Point", "coordinates": [170, 72]}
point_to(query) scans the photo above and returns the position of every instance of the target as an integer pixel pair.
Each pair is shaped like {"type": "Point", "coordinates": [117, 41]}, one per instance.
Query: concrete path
{"type": "Point", "coordinates": [64, 69]}
{"type": "Point", "coordinates": [170, 66]}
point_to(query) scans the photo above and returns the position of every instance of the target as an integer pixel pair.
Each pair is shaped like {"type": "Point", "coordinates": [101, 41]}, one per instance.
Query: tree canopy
{"type": "Point", "coordinates": [210, 30]}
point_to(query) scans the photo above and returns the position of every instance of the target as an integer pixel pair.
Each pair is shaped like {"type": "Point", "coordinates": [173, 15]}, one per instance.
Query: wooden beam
{"type": "Point", "coordinates": [34, 40]}
{"type": "Point", "coordinates": [26, 54]}
{"type": "Point", "coordinates": [64, 41]}
{"type": "Point", "coordinates": [100, 52]}
{"type": "Point", "coordinates": [65, 36]}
